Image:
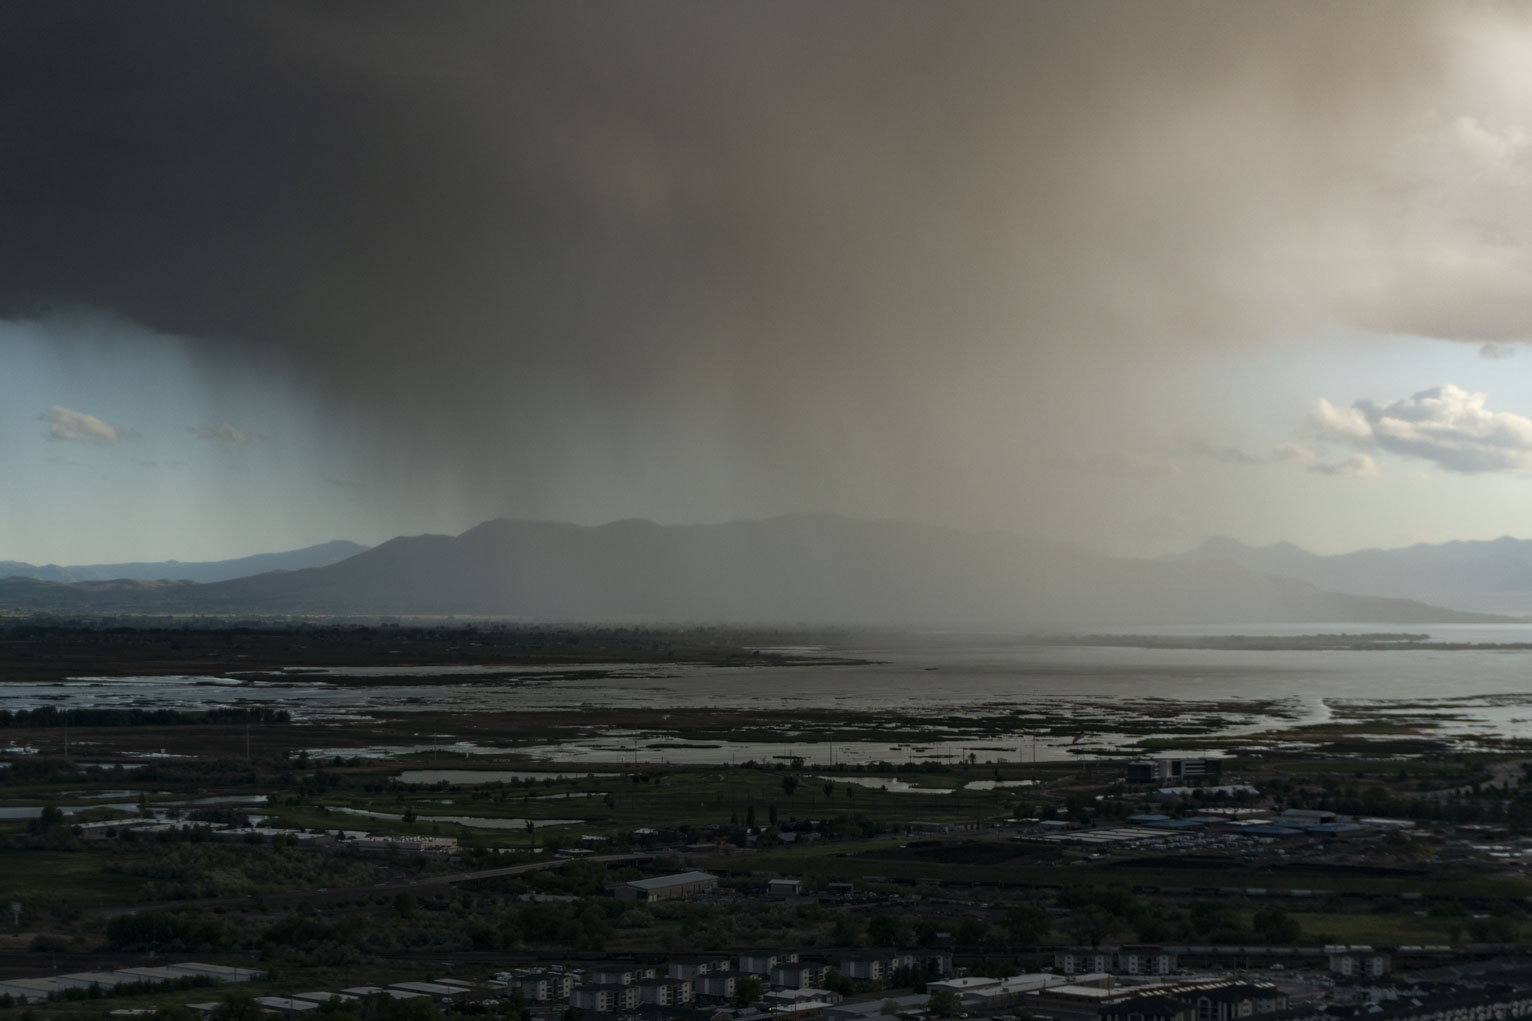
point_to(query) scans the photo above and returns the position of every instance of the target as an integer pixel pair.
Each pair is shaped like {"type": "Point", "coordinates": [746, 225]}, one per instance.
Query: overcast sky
{"type": "Point", "coordinates": [1127, 274]}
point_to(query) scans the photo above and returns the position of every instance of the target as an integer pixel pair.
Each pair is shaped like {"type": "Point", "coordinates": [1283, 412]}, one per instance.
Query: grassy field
{"type": "Point", "coordinates": [63, 877]}
{"type": "Point", "coordinates": [1399, 929]}
{"type": "Point", "coordinates": [617, 805]}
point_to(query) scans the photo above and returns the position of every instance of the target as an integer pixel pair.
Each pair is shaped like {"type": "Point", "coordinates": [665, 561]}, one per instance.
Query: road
{"type": "Point", "coordinates": [509, 870]}
{"type": "Point", "coordinates": [285, 898]}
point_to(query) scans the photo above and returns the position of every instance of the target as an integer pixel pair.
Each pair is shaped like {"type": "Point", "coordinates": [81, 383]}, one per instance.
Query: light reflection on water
{"type": "Point", "coordinates": [454, 777]}
{"type": "Point", "coordinates": [475, 821]}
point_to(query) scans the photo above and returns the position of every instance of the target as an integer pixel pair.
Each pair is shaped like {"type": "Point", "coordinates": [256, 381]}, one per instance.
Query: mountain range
{"type": "Point", "coordinates": [1492, 576]}
{"type": "Point", "coordinates": [174, 570]}
{"type": "Point", "coordinates": [808, 568]}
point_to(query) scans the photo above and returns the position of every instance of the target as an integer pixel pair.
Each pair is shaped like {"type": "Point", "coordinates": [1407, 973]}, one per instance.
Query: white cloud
{"type": "Point", "coordinates": [1294, 452]}
{"type": "Point", "coordinates": [1167, 462]}
{"type": "Point", "coordinates": [1345, 424]}
{"type": "Point", "coordinates": [1230, 455]}
{"type": "Point", "coordinates": [1357, 466]}
{"type": "Point", "coordinates": [1499, 151]}
{"type": "Point", "coordinates": [1130, 464]}
{"type": "Point", "coordinates": [77, 426]}
{"type": "Point", "coordinates": [223, 432]}
{"type": "Point", "coordinates": [1446, 425]}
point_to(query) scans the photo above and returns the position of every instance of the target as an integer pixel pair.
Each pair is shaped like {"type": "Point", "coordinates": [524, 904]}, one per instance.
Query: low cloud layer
{"type": "Point", "coordinates": [1294, 452]}
{"type": "Point", "coordinates": [1445, 425]}
{"type": "Point", "coordinates": [78, 427]}
{"type": "Point", "coordinates": [223, 432]}
{"type": "Point", "coordinates": [1356, 466]}
{"type": "Point", "coordinates": [346, 481]}
{"type": "Point", "coordinates": [1201, 448]}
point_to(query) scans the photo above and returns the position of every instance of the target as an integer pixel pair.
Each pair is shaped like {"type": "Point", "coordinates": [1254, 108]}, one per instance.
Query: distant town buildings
{"type": "Point", "coordinates": [1156, 770]}
{"type": "Point", "coordinates": [38, 990]}
{"type": "Point", "coordinates": [673, 887]}
{"type": "Point", "coordinates": [1359, 961]}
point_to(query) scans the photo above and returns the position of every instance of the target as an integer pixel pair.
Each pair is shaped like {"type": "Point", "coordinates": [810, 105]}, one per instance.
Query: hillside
{"type": "Point", "coordinates": [1491, 576]}
{"type": "Point", "coordinates": [201, 571]}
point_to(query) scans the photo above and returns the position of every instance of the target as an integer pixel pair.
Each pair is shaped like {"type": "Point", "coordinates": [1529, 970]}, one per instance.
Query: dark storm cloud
{"type": "Point", "coordinates": [504, 235]}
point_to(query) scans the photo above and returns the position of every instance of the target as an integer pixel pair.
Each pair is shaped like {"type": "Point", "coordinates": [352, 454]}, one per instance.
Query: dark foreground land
{"type": "Point", "coordinates": [47, 649]}
{"type": "Point", "coordinates": [240, 846]}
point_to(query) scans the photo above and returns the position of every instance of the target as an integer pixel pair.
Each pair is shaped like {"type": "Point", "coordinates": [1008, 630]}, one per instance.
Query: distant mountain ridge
{"type": "Point", "coordinates": [322, 555]}
{"type": "Point", "coordinates": [1484, 575]}
{"type": "Point", "coordinates": [807, 568]}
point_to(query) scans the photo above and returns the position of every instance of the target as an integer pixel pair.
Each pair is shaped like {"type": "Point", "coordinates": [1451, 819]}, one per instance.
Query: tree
{"type": "Point", "coordinates": [52, 818]}
{"type": "Point", "coordinates": [971, 933]}
{"type": "Point", "coordinates": [1091, 924]}
{"type": "Point", "coordinates": [884, 931]}
{"type": "Point", "coordinates": [847, 932]}
{"type": "Point", "coordinates": [942, 1003]}
{"type": "Point", "coordinates": [237, 1006]}
{"type": "Point", "coordinates": [750, 816]}
{"type": "Point", "coordinates": [789, 784]}
{"type": "Point", "coordinates": [1492, 930]}
{"type": "Point", "coordinates": [1212, 921]}
{"type": "Point", "coordinates": [747, 990]}
{"type": "Point", "coordinates": [1026, 924]}
{"type": "Point", "coordinates": [531, 829]}
{"type": "Point", "coordinates": [1275, 925]}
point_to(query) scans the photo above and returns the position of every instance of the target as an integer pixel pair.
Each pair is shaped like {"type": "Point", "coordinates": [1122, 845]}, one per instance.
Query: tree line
{"type": "Point", "coordinates": [52, 716]}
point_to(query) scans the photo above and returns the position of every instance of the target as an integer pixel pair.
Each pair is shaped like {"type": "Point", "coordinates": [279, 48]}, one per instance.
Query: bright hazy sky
{"type": "Point", "coordinates": [1125, 274]}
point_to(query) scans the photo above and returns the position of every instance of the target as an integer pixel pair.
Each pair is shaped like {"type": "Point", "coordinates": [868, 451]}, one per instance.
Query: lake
{"type": "Point", "coordinates": [1461, 693]}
